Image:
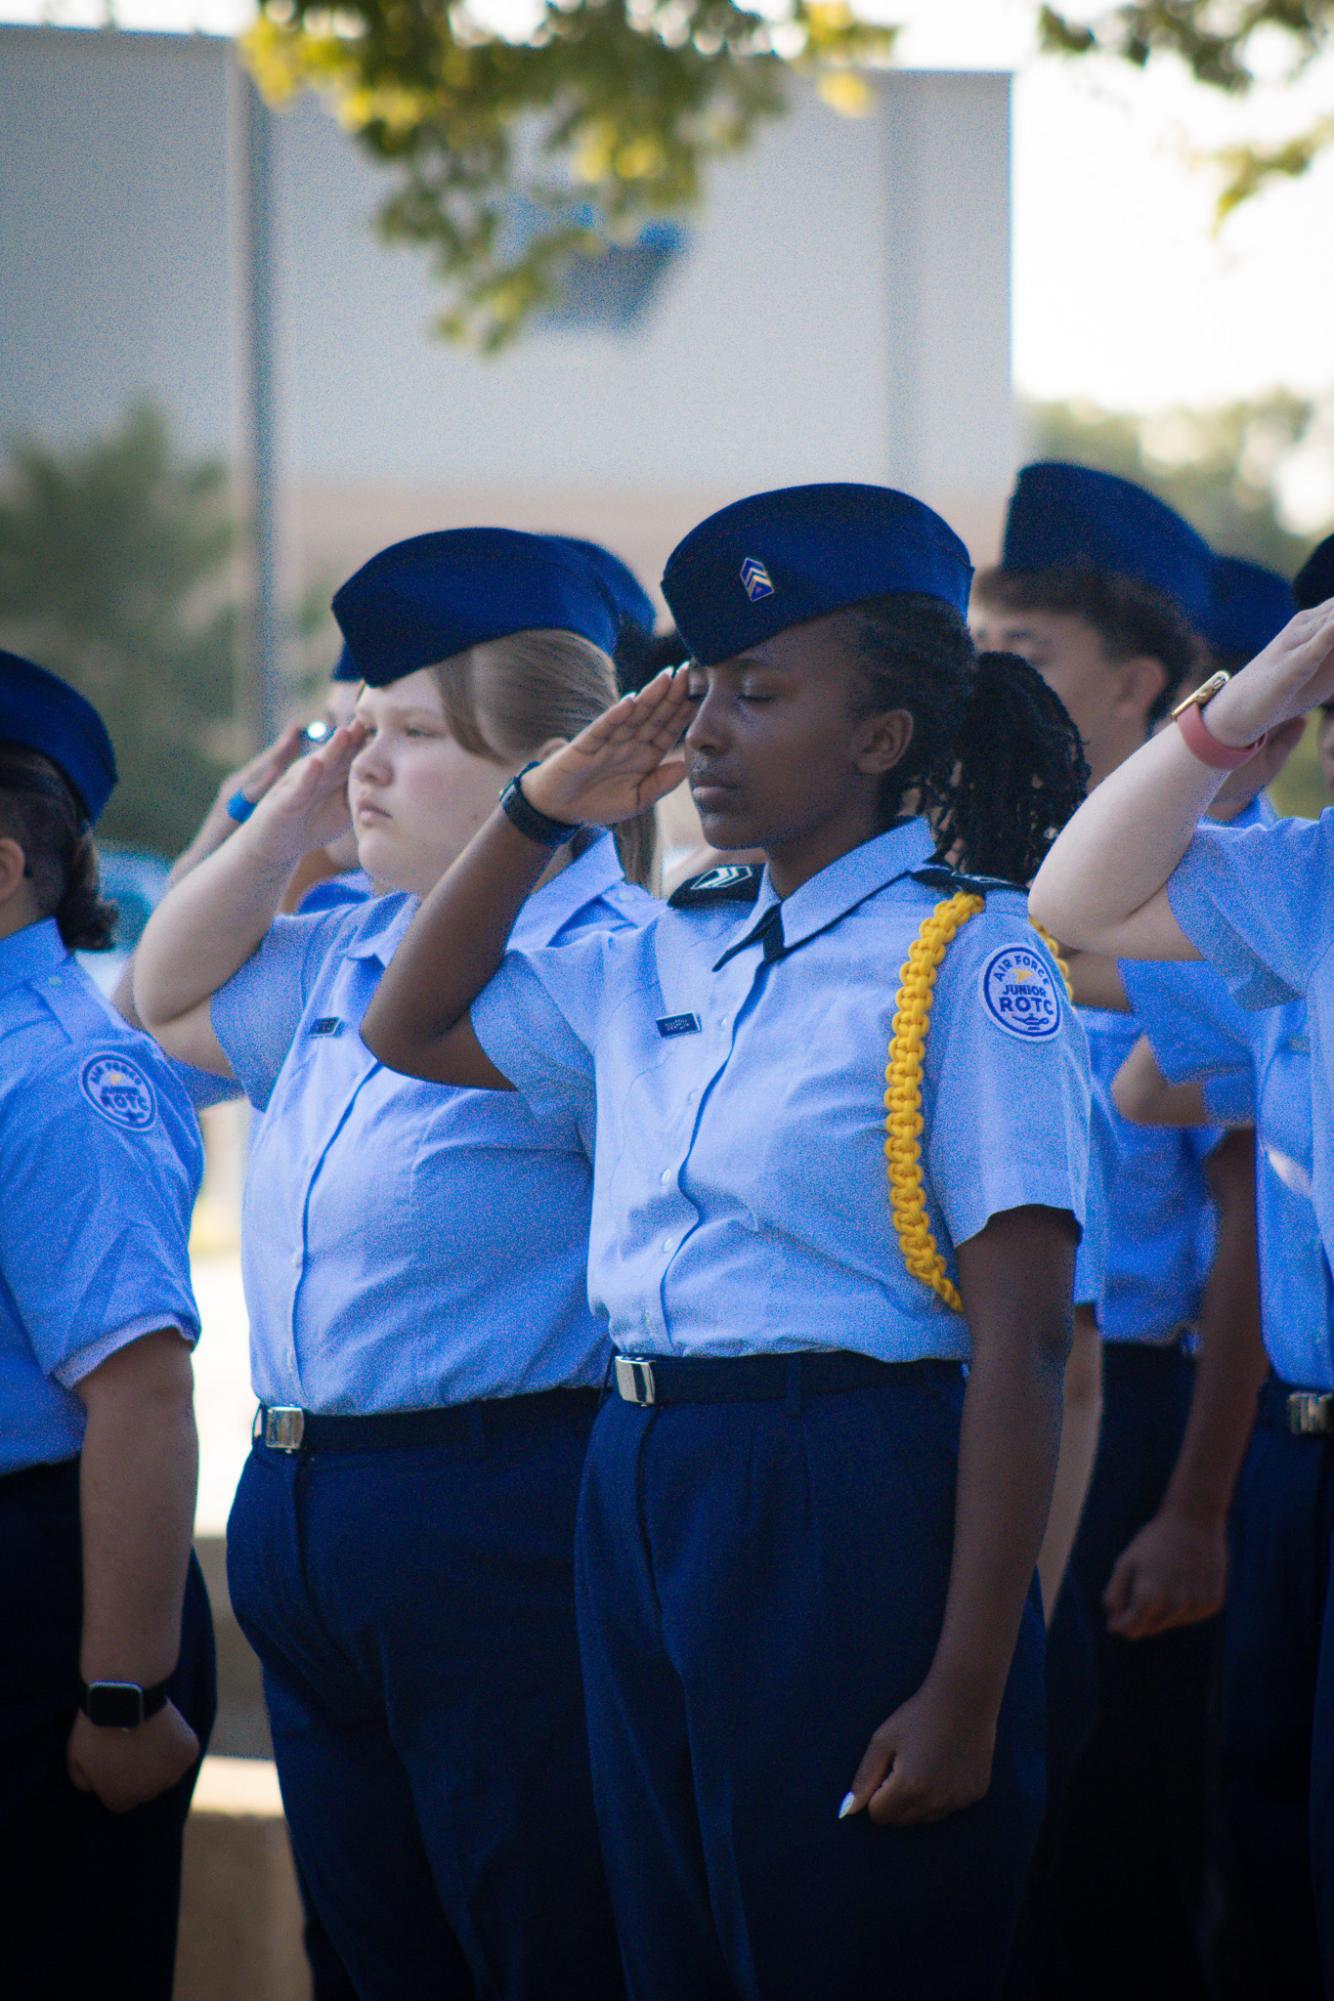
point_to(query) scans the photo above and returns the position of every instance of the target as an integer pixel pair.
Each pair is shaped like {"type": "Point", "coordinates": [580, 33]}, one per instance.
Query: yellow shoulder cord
{"type": "Point", "coordinates": [904, 1123]}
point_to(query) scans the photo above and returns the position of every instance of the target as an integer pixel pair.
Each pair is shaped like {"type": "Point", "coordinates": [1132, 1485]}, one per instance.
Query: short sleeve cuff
{"type": "Point", "coordinates": [73, 1370]}
{"type": "Point", "coordinates": [1197, 901]}
{"type": "Point", "coordinates": [1229, 1097]}
{"type": "Point", "coordinates": [517, 1024]}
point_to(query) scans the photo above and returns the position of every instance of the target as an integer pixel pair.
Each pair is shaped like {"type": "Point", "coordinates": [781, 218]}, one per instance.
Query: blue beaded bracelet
{"type": "Point", "coordinates": [239, 808]}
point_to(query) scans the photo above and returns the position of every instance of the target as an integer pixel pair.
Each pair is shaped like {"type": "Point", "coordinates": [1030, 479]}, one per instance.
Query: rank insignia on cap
{"type": "Point", "coordinates": [756, 579]}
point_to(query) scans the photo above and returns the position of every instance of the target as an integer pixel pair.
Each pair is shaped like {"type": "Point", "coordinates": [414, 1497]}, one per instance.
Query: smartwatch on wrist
{"type": "Point", "coordinates": [1200, 739]}
{"type": "Point", "coordinates": [529, 819]}
{"type": "Point", "coordinates": [121, 1705]}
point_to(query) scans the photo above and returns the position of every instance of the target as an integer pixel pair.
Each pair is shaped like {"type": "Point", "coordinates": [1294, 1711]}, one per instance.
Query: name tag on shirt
{"type": "Point", "coordinates": [678, 1024]}
{"type": "Point", "coordinates": [328, 1024]}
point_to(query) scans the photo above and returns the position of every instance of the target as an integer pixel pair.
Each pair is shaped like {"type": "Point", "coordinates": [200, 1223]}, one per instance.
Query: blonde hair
{"type": "Point", "coordinates": [505, 698]}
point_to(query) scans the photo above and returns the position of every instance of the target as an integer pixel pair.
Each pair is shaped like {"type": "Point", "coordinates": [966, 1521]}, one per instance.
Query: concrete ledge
{"type": "Point", "coordinates": [240, 1936]}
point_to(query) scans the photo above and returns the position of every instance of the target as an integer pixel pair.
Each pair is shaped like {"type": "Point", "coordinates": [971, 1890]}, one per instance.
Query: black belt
{"type": "Point", "coordinates": [1304, 1413]}
{"type": "Point", "coordinates": [656, 1379]}
{"type": "Point", "coordinates": [287, 1428]}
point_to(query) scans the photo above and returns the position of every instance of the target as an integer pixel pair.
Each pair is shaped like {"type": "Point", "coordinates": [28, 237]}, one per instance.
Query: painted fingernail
{"type": "Point", "coordinates": [849, 1802]}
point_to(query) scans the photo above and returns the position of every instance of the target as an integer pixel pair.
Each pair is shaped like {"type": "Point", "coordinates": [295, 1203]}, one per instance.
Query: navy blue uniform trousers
{"type": "Point", "coordinates": [412, 1609]}
{"type": "Point", "coordinates": [1116, 1901]}
{"type": "Point", "coordinates": [760, 1586]}
{"type": "Point", "coordinates": [1278, 1705]}
{"type": "Point", "coordinates": [88, 1899]}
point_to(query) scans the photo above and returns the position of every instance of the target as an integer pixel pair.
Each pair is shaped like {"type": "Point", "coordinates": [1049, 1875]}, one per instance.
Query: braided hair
{"type": "Point", "coordinates": [995, 762]}
{"type": "Point", "coordinates": [40, 812]}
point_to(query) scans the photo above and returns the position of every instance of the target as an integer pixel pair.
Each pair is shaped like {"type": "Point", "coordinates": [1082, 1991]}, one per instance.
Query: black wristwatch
{"type": "Point", "coordinates": [121, 1705]}
{"type": "Point", "coordinates": [529, 819]}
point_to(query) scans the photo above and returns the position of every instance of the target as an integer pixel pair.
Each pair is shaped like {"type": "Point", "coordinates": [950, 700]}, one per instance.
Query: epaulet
{"type": "Point", "coordinates": [939, 875]}
{"type": "Point", "coordinates": [730, 882]}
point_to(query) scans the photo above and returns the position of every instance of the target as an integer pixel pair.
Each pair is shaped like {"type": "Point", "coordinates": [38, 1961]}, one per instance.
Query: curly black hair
{"type": "Point", "coordinates": [995, 762]}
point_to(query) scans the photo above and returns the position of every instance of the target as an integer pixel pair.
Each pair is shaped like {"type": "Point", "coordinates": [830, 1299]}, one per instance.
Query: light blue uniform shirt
{"type": "Point", "coordinates": [1159, 1213]}
{"type": "Point", "coordinates": [353, 886]}
{"type": "Point", "coordinates": [1255, 1069]}
{"type": "Point", "coordinates": [1258, 904]}
{"type": "Point", "coordinates": [404, 1245]}
{"type": "Point", "coordinates": [1091, 1257]}
{"type": "Point", "coordinates": [740, 1197]}
{"type": "Point", "coordinates": [100, 1161]}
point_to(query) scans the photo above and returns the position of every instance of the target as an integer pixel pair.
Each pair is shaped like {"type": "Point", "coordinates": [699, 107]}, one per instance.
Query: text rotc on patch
{"type": "Point", "coordinates": [1020, 993]}
{"type": "Point", "coordinates": [119, 1092]}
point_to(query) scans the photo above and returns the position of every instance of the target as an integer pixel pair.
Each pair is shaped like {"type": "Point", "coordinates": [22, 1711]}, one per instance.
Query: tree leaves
{"type": "Point", "coordinates": [598, 117]}
{"type": "Point", "coordinates": [115, 571]}
{"type": "Point", "coordinates": [1216, 40]}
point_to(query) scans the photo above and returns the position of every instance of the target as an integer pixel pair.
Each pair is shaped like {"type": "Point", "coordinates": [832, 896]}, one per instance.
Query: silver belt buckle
{"type": "Point", "coordinates": [284, 1426]}
{"type": "Point", "coordinates": [1310, 1414]}
{"type": "Point", "coordinates": [634, 1380]}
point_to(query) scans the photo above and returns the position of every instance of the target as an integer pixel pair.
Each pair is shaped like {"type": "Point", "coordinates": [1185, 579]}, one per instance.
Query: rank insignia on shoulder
{"type": "Point", "coordinates": [939, 875]}
{"type": "Point", "coordinates": [678, 1024]}
{"type": "Point", "coordinates": [328, 1024]}
{"type": "Point", "coordinates": [730, 882]}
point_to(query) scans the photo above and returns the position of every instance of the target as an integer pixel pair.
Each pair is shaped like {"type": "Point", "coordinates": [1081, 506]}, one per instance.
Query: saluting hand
{"type": "Point", "coordinates": [930, 1759]}
{"type": "Point", "coordinates": [127, 1768]}
{"type": "Point", "coordinates": [307, 807]}
{"type": "Point", "coordinates": [621, 764]}
{"type": "Point", "coordinates": [1294, 673]}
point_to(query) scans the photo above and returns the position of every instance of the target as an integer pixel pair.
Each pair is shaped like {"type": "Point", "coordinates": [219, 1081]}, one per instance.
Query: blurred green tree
{"type": "Point", "coordinates": [115, 570]}
{"type": "Point", "coordinates": [1220, 42]}
{"type": "Point", "coordinates": [1219, 465]}
{"type": "Point", "coordinates": [519, 150]}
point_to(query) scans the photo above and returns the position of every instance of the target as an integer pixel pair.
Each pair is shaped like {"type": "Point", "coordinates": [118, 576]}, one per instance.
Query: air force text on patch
{"type": "Point", "coordinates": [1020, 994]}
{"type": "Point", "coordinates": [119, 1092]}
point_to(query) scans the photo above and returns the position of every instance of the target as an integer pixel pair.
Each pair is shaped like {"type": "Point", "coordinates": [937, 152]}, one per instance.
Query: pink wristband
{"type": "Point", "coordinates": [1202, 743]}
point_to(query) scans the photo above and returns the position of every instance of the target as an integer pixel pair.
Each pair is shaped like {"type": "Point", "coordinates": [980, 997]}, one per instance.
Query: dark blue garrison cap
{"type": "Point", "coordinates": [1314, 582]}
{"type": "Point", "coordinates": [633, 604]}
{"type": "Point", "coordinates": [1067, 517]}
{"type": "Point", "coordinates": [1250, 605]}
{"type": "Point", "coordinates": [43, 713]}
{"type": "Point", "coordinates": [345, 667]}
{"type": "Point", "coordinates": [778, 559]}
{"type": "Point", "coordinates": [430, 597]}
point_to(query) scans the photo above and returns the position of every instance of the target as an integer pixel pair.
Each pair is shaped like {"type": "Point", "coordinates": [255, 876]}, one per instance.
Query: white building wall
{"type": "Point", "coordinates": [841, 311]}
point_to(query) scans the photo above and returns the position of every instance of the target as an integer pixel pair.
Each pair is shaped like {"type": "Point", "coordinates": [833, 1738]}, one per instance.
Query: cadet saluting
{"type": "Point", "coordinates": [106, 1689]}
{"type": "Point", "coordinates": [401, 1548]}
{"type": "Point", "coordinates": [798, 1531]}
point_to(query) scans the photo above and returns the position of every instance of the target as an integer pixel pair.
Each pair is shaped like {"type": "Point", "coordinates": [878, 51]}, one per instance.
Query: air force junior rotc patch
{"type": "Point", "coordinates": [756, 579]}
{"type": "Point", "coordinates": [119, 1092]}
{"type": "Point", "coordinates": [1020, 994]}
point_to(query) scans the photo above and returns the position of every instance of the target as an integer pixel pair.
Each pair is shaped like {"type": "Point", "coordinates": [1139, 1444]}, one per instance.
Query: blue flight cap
{"type": "Point", "coordinates": [426, 599]}
{"type": "Point", "coordinates": [345, 667]}
{"type": "Point", "coordinates": [777, 559]}
{"type": "Point", "coordinates": [633, 603]}
{"type": "Point", "coordinates": [1314, 582]}
{"type": "Point", "coordinates": [1067, 517]}
{"type": "Point", "coordinates": [1250, 605]}
{"type": "Point", "coordinates": [43, 713]}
